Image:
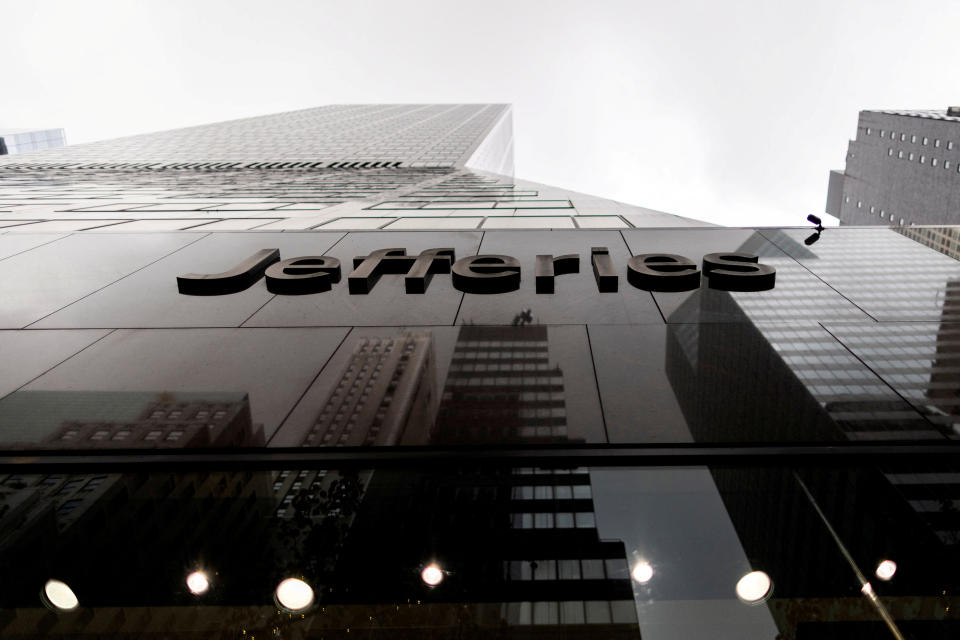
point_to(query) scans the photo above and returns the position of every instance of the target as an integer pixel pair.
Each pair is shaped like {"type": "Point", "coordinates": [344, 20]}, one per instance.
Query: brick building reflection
{"type": "Point", "coordinates": [385, 395]}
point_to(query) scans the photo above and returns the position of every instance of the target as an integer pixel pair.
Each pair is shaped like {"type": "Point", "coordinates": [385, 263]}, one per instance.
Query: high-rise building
{"type": "Point", "coordinates": [16, 141]}
{"type": "Point", "coordinates": [339, 372]}
{"type": "Point", "coordinates": [903, 168]}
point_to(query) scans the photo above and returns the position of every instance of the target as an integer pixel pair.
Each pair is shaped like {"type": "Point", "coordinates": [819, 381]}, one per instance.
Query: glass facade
{"type": "Point", "coordinates": [456, 432]}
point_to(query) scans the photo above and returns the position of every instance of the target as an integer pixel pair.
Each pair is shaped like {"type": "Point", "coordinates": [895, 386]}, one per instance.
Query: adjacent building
{"type": "Point", "coordinates": [903, 168]}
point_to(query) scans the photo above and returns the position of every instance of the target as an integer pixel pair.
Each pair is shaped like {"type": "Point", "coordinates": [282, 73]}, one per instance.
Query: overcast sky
{"type": "Point", "coordinates": [732, 112]}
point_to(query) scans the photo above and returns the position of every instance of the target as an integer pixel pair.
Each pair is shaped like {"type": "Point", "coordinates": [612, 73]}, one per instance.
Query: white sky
{"type": "Point", "coordinates": [732, 112]}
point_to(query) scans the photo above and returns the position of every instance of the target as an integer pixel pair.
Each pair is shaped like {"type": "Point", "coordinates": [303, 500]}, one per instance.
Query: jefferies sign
{"type": "Point", "coordinates": [480, 273]}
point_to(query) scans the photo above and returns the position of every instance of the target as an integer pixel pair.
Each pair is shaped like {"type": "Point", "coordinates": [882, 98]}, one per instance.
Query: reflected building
{"type": "Point", "coordinates": [385, 395]}
{"type": "Point", "coordinates": [128, 420]}
{"type": "Point", "coordinates": [756, 381]}
{"type": "Point", "coordinates": [502, 388]}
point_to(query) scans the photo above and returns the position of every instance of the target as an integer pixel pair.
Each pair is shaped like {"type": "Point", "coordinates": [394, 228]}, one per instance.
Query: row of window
{"type": "Point", "coordinates": [124, 434]}
{"type": "Point", "coordinates": [564, 520]}
{"type": "Point", "coordinates": [569, 569]}
{"type": "Point", "coordinates": [570, 612]}
{"type": "Point", "coordinates": [551, 492]}
{"type": "Point", "coordinates": [903, 137]}
{"type": "Point", "coordinates": [883, 213]}
{"type": "Point", "coordinates": [946, 164]}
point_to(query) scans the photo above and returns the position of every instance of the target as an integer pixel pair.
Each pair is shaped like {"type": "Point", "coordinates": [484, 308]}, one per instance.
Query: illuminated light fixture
{"type": "Point", "coordinates": [60, 596]}
{"type": "Point", "coordinates": [886, 569]}
{"type": "Point", "coordinates": [432, 575]}
{"type": "Point", "coordinates": [755, 587]}
{"type": "Point", "coordinates": [198, 583]}
{"type": "Point", "coordinates": [294, 594]}
{"type": "Point", "coordinates": [642, 572]}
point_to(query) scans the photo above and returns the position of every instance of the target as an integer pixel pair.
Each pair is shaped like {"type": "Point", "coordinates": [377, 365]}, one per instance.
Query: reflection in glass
{"type": "Point", "coordinates": [198, 583]}
{"type": "Point", "coordinates": [60, 595]}
{"type": "Point", "coordinates": [127, 420]}
{"type": "Point", "coordinates": [755, 587]}
{"type": "Point", "coordinates": [642, 572]}
{"type": "Point", "coordinates": [502, 388]}
{"type": "Point", "coordinates": [385, 395]}
{"type": "Point", "coordinates": [886, 569]}
{"type": "Point", "coordinates": [431, 575]}
{"type": "Point", "coordinates": [294, 594]}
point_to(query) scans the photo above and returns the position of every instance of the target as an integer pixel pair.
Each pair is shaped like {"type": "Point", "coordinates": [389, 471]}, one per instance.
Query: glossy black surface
{"type": "Point", "coordinates": [387, 431]}
{"type": "Point", "coordinates": [523, 552]}
{"type": "Point", "coordinates": [816, 359]}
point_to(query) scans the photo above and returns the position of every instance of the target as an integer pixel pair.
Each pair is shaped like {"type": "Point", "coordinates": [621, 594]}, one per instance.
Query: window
{"type": "Point", "coordinates": [936, 143]}
{"type": "Point", "coordinates": [911, 156]}
{"type": "Point", "coordinates": [872, 209]}
{"type": "Point", "coordinates": [949, 144]}
{"type": "Point", "coordinates": [68, 506]}
{"type": "Point", "coordinates": [913, 139]}
{"type": "Point", "coordinates": [923, 159]}
{"type": "Point", "coordinates": [946, 164]}
{"type": "Point", "coordinates": [925, 140]}
{"type": "Point", "coordinates": [890, 151]}
{"type": "Point", "coordinates": [903, 137]}
{"type": "Point", "coordinates": [933, 162]}
{"type": "Point", "coordinates": [899, 154]}
{"type": "Point", "coordinates": [868, 130]}
{"type": "Point", "coordinates": [585, 520]}
{"type": "Point", "coordinates": [882, 132]}
{"type": "Point", "coordinates": [859, 204]}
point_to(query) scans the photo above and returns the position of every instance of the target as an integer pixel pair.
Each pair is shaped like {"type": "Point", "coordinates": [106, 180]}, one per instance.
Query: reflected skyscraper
{"type": "Point", "coordinates": [385, 395]}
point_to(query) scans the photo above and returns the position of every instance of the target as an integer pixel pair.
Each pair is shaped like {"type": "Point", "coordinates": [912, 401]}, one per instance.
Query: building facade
{"type": "Point", "coordinates": [346, 347]}
{"type": "Point", "coordinates": [903, 168]}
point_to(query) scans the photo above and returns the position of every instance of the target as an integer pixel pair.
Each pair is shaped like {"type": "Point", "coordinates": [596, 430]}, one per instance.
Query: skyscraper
{"type": "Point", "coordinates": [903, 168]}
{"type": "Point", "coordinates": [344, 349]}
{"type": "Point", "coordinates": [339, 167]}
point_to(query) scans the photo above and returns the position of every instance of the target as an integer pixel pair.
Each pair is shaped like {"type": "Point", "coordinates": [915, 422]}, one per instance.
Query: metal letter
{"type": "Point", "coordinates": [663, 272]}
{"type": "Point", "coordinates": [603, 271]}
{"type": "Point", "coordinates": [368, 269]}
{"type": "Point", "coordinates": [429, 262]}
{"type": "Point", "coordinates": [298, 276]}
{"type": "Point", "coordinates": [486, 274]}
{"type": "Point", "coordinates": [738, 272]}
{"type": "Point", "coordinates": [547, 267]}
{"type": "Point", "coordinates": [235, 280]}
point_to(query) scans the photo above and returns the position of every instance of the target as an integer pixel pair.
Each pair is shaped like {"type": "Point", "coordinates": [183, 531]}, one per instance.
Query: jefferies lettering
{"type": "Point", "coordinates": [483, 274]}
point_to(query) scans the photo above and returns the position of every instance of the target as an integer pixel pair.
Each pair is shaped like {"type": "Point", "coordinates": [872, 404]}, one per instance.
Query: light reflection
{"type": "Point", "coordinates": [198, 583]}
{"type": "Point", "coordinates": [642, 572]}
{"type": "Point", "coordinates": [886, 569]}
{"type": "Point", "coordinates": [754, 587]}
{"type": "Point", "coordinates": [60, 595]}
{"type": "Point", "coordinates": [432, 575]}
{"type": "Point", "coordinates": [294, 594]}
